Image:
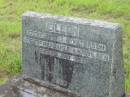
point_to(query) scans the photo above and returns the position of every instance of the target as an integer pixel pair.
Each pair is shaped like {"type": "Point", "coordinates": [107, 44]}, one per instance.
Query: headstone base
{"type": "Point", "coordinates": [31, 87]}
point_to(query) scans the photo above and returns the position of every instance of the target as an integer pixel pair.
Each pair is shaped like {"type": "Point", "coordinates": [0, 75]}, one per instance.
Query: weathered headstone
{"type": "Point", "coordinates": [84, 56]}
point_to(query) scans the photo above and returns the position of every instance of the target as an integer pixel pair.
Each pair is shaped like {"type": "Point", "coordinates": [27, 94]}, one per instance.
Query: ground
{"type": "Point", "coordinates": [10, 26]}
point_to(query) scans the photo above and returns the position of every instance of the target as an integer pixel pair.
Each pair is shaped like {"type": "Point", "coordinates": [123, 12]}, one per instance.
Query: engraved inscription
{"type": "Point", "coordinates": [71, 41]}
{"type": "Point", "coordinates": [71, 30]}
{"type": "Point", "coordinates": [62, 48]}
{"type": "Point", "coordinates": [65, 46]}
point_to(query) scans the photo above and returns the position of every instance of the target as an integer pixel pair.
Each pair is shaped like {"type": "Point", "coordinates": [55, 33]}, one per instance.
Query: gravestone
{"type": "Point", "coordinates": [84, 56]}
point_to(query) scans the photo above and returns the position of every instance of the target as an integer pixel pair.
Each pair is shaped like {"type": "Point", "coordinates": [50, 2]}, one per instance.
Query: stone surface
{"type": "Point", "coordinates": [31, 87]}
{"type": "Point", "coordinates": [84, 56]}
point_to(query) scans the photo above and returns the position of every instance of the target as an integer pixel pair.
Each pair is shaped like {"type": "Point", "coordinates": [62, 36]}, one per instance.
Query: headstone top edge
{"type": "Point", "coordinates": [95, 23]}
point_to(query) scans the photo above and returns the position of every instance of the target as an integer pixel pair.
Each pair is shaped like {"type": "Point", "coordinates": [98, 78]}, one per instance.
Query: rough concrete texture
{"type": "Point", "coordinates": [30, 87]}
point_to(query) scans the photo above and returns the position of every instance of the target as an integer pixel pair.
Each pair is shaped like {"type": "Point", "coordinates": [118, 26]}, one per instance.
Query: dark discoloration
{"type": "Point", "coordinates": [124, 95]}
{"type": "Point", "coordinates": [67, 67]}
{"type": "Point", "coordinates": [50, 67]}
{"type": "Point", "coordinates": [47, 63]}
{"type": "Point", "coordinates": [36, 57]}
{"type": "Point", "coordinates": [42, 66]}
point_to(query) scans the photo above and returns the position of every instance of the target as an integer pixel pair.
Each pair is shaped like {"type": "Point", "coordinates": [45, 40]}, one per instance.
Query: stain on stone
{"type": "Point", "coordinates": [67, 68]}
{"type": "Point", "coordinates": [36, 57]}
{"type": "Point", "coordinates": [42, 66]}
{"type": "Point", "coordinates": [50, 67]}
{"type": "Point", "coordinates": [123, 95]}
{"type": "Point", "coordinates": [47, 63]}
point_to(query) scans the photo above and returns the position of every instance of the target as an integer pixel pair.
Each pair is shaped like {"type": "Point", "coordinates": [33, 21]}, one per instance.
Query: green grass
{"type": "Point", "coordinates": [10, 26]}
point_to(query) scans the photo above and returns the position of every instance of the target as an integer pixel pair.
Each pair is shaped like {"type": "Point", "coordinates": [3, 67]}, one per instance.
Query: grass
{"type": "Point", "coordinates": [10, 26]}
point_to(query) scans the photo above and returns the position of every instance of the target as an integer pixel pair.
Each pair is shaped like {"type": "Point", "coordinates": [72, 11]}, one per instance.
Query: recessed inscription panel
{"type": "Point", "coordinates": [71, 54]}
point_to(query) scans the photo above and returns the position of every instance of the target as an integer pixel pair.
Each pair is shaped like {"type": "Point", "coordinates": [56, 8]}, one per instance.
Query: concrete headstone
{"type": "Point", "coordinates": [84, 56]}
